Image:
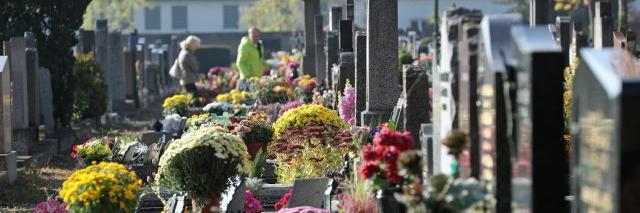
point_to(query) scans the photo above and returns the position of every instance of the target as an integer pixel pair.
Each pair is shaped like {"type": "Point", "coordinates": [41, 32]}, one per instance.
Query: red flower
{"type": "Point", "coordinates": [369, 169]}
{"type": "Point", "coordinates": [234, 119]}
{"type": "Point", "coordinates": [284, 200]}
{"type": "Point", "coordinates": [369, 153]}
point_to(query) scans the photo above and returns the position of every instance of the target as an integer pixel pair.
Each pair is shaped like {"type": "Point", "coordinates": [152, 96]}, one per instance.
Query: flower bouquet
{"type": "Point", "coordinates": [94, 150]}
{"type": "Point", "coordinates": [308, 114]}
{"type": "Point", "coordinates": [256, 135]}
{"type": "Point", "coordinates": [178, 104]}
{"type": "Point", "coordinates": [202, 163]}
{"type": "Point", "coordinates": [50, 206]}
{"type": "Point", "coordinates": [251, 203]}
{"type": "Point", "coordinates": [347, 104]}
{"type": "Point", "coordinates": [195, 121]}
{"type": "Point", "coordinates": [104, 187]}
{"type": "Point", "coordinates": [236, 97]}
{"type": "Point", "coordinates": [305, 86]}
{"type": "Point", "coordinates": [272, 90]}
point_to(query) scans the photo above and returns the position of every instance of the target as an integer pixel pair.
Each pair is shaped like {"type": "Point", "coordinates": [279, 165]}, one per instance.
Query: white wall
{"type": "Point", "coordinates": [202, 16]}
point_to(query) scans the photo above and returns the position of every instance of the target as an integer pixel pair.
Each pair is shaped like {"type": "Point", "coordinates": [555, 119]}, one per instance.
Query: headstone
{"type": "Point", "coordinates": [350, 10]}
{"type": "Point", "coordinates": [19, 88]}
{"type": "Point", "coordinates": [619, 40]}
{"type": "Point", "coordinates": [115, 79]}
{"type": "Point", "coordinates": [321, 68]}
{"type": "Point", "coordinates": [540, 181]}
{"type": "Point", "coordinates": [133, 47]}
{"type": "Point", "coordinates": [141, 69]}
{"type": "Point", "coordinates": [428, 150]}
{"type": "Point", "coordinates": [149, 138]}
{"type": "Point", "coordinates": [333, 54]}
{"type": "Point", "coordinates": [335, 17]}
{"type": "Point", "coordinates": [46, 99]}
{"type": "Point", "coordinates": [605, 152]}
{"type": "Point", "coordinates": [102, 54]}
{"type": "Point", "coordinates": [563, 32]}
{"type": "Point", "coordinates": [602, 25]}
{"type": "Point", "coordinates": [415, 86]}
{"type": "Point", "coordinates": [361, 75]}
{"type": "Point", "coordinates": [33, 92]}
{"type": "Point", "coordinates": [495, 157]}
{"type": "Point", "coordinates": [346, 36]}
{"type": "Point", "coordinates": [7, 155]}
{"type": "Point", "coordinates": [347, 70]}
{"type": "Point", "coordinates": [382, 60]}
{"type": "Point", "coordinates": [86, 41]}
{"type": "Point", "coordinates": [308, 192]}
{"type": "Point", "coordinates": [128, 77]}
{"type": "Point", "coordinates": [311, 9]}
{"type": "Point", "coordinates": [539, 12]}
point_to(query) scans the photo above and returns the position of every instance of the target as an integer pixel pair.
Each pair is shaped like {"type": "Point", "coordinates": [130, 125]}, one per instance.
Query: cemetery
{"type": "Point", "coordinates": [475, 112]}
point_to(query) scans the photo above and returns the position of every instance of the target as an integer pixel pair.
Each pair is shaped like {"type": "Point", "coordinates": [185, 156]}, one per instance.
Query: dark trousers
{"type": "Point", "coordinates": [191, 88]}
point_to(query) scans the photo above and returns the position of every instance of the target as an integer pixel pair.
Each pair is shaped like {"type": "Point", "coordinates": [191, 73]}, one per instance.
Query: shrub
{"type": "Point", "coordinates": [91, 92]}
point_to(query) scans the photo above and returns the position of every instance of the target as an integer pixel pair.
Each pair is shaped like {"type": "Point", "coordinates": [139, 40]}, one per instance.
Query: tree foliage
{"type": "Point", "coordinates": [91, 91]}
{"type": "Point", "coordinates": [118, 12]}
{"type": "Point", "coordinates": [53, 23]}
{"type": "Point", "coordinates": [274, 15]}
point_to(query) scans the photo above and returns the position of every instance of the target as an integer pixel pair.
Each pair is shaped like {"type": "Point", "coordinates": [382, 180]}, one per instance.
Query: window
{"type": "Point", "coordinates": [231, 16]}
{"type": "Point", "coordinates": [152, 18]}
{"type": "Point", "coordinates": [179, 17]}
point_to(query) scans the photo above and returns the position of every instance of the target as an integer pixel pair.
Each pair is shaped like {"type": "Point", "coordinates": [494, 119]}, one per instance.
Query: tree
{"type": "Point", "coordinates": [53, 23]}
{"type": "Point", "coordinates": [274, 15]}
{"type": "Point", "coordinates": [118, 12]}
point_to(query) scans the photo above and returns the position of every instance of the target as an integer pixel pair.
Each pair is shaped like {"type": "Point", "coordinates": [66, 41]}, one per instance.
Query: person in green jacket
{"type": "Point", "coordinates": [250, 53]}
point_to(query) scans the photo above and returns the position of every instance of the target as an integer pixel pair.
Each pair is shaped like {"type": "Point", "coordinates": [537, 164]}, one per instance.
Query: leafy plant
{"type": "Point", "coordinates": [91, 91]}
{"type": "Point", "coordinates": [254, 131]}
{"type": "Point", "coordinates": [258, 165]}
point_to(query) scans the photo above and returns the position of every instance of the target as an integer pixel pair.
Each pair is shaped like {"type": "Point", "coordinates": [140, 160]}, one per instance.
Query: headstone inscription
{"type": "Point", "coordinates": [605, 121]}
{"type": "Point", "coordinates": [494, 55]}
{"type": "Point", "coordinates": [540, 181]}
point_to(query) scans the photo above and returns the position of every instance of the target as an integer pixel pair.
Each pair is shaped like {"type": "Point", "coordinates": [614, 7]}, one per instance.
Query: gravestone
{"type": "Point", "coordinates": [563, 34]}
{"type": "Point", "coordinates": [321, 68]}
{"type": "Point", "coordinates": [19, 88]}
{"type": "Point", "coordinates": [350, 10]}
{"type": "Point", "coordinates": [347, 70]}
{"type": "Point", "coordinates": [361, 75]}
{"type": "Point", "coordinates": [540, 181]}
{"type": "Point", "coordinates": [102, 55]}
{"type": "Point", "coordinates": [46, 99]}
{"type": "Point", "coordinates": [141, 58]}
{"type": "Point", "coordinates": [382, 60]}
{"type": "Point", "coordinates": [33, 92]}
{"type": "Point", "coordinates": [86, 41]}
{"type": "Point", "coordinates": [602, 25]}
{"type": "Point", "coordinates": [149, 138]}
{"type": "Point", "coordinates": [7, 154]}
{"type": "Point", "coordinates": [308, 192]}
{"type": "Point", "coordinates": [128, 77]}
{"type": "Point", "coordinates": [415, 86]}
{"type": "Point", "coordinates": [335, 17]}
{"type": "Point", "coordinates": [311, 9]}
{"type": "Point", "coordinates": [346, 36]}
{"type": "Point", "coordinates": [115, 79]}
{"type": "Point", "coordinates": [495, 158]}
{"type": "Point", "coordinates": [539, 12]}
{"type": "Point", "coordinates": [133, 76]}
{"type": "Point", "coordinates": [333, 55]}
{"type": "Point", "coordinates": [466, 95]}
{"type": "Point", "coordinates": [428, 150]}
{"type": "Point", "coordinates": [605, 120]}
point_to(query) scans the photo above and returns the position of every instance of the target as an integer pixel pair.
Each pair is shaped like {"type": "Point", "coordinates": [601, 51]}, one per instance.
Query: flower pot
{"type": "Point", "coordinates": [253, 148]}
{"type": "Point", "coordinates": [387, 202]}
{"type": "Point", "coordinates": [210, 205]}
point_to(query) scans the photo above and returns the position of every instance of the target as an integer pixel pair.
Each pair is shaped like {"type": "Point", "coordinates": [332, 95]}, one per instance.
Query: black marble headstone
{"type": "Point", "coordinates": [346, 35]}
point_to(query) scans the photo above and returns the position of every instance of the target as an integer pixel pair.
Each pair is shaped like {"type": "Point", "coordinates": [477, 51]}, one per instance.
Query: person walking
{"type": "Point", "coordinates": [249, 61]}
{"type": "Point", "coordinates": [188, 65]}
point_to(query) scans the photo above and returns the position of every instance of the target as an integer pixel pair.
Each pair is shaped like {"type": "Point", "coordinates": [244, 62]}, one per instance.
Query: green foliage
{"type": "Point", "coordinates": [258, 165]}
{"type": "Point", "coordinates": [118, 12]}
{"type": "Point", "coordinates": [53, 23]}
{"type": "Point", "coordinates": [259, 132]}
{"type": "Point", "coordinates": [274, 15]}
{"type": "Point", "coordinates": [91, 92]}
{"type": "Point", "coordinates": [405, 57]}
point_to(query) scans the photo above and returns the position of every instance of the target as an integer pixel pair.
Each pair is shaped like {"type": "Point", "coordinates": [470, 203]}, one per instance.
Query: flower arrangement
{"type": "Point", "coordinates": [358, 199]}
{"type": "Point", "coordinates": [202, 163]}
{"type": "Point", "coordinates": [272, 89]}
{"type": "Point", "coordinates": [94, 150]}
{"type": "Point", "coordinates": [381, 159]}
{"type": "Point", "coordinates": [305, 86]}
{"type": "Point", "coordinates": [347, 104]}
{"type": "Point", "coordinates": [290, 105]}
{"type": "Point", "coordinates": [198, 120]}
{"type": "Point", "coordinates": [50, 206]}
{"type": "Point", "coordinates": [284, 200]}
{"type": "Point", "coordinates": [236, 97]}
{"type": "Point", "coordinates": [305, 115]}
{"type": "Point", "coordinates": [178, 104]}
{"type": "Point", "coordinates": [253, 131]}
{"type": "Point", "coordinates": [251, 203]}
{"type": "Point", "coordinates": [324, 98]}
{"type": "Point", "coordinates": [104, 187]}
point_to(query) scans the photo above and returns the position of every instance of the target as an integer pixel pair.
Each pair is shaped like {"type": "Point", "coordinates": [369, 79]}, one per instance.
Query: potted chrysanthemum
{"type": "Point", "coordinates": [202, 163]}
{"type": "Point", "coordinates": [256, 134]}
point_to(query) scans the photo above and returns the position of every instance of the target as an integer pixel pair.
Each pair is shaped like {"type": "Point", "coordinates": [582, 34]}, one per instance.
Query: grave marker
{"type": "Point", "coordinates": [346, 36]}
{"type": "Point", "coordinates": [311, 9]}
{"type": "Point", "coordinates": [308, 192]}
{"type": "Point", "coordinates": [347, 70]}
{"type": "Point", "coordinates": [333, 55]}
{"type": "Point", "coordinates": [415, 88]}
{"type": "Point", "coordinates": [429, 152]}
{"type": "Point", "coordinates": [7, 154]}
{"type": "Point", "coordinates": [361, 75]}
{"type": "Point", "coordinates": [17, 57]}
{"type": "Point", "coordinates": [335, 17]}
{"type": "Point", "coordinates": [33, 92]}
{"type": "Point", "coordinates": [115, 79]}
{"type": "Point", "coordinates": [46, 99]}
{"type": "Point", "coordinates": [102, 55]}
{"type": "Point", "coordinates": [602, 25]}
{"type": "Point", "coordinates": [321, 68]}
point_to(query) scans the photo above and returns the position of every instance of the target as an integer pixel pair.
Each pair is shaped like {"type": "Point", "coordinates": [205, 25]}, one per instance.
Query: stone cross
{"type": "Point", "coordinates": [336, 16]}
{"type": "Point", "coordinates": [333, 55]}
{"type": "Point", "coordinates": [102, 55]}
{"type": "Point", "coordinates": [321, 68]}
{"type": "Point", "coordinates": [415, 88]}
{"type": "Point", "coordinates": [115, 79]}
{"type": "Point", "coordinates": [311, 9]}
{"type": "Point", "coordinates": [33, 93]}
{"type": "Point", "coordinates": [382, 60]}
{"type": "Point", "coordinates": [360, 83]}
{"type": "Point", "coordinates": [7, 155]}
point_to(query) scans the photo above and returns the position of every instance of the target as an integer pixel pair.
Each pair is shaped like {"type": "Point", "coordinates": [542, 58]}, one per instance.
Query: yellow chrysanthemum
{"type": "Point", "coordinates": [307, 114]}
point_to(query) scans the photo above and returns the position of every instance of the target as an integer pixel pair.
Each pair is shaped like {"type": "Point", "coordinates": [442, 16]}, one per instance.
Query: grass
{"type": "Point", "coordinates": [35, 185]}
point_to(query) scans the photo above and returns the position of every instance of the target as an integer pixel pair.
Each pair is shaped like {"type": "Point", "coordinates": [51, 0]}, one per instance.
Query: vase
{"type": "Point", "coordinates": [207, 206]}
{"type": "Point", "coordinates": [387, 203]}
{"type": "Point", "coordinates": [253, 148]}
